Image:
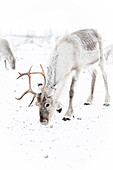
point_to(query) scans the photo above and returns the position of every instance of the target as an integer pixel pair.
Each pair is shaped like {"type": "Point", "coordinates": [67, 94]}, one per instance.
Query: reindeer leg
{"type": "Point", "coordinates": [70, 111]}
{"type": "Point", "coordinates": [90, 98]}
{"type": "Point", "coordinates": [107, 96]}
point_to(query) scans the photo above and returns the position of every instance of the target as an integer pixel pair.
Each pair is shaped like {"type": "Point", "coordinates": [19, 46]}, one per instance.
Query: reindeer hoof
{"type": "Point", "coordinates": [66, 118]}
{"type": "Point", "coordinates": [87, 104]}
{"type": "Point", "coordinates": [106, 104]}
{"type": "Point", "coordinates": [59, 110]}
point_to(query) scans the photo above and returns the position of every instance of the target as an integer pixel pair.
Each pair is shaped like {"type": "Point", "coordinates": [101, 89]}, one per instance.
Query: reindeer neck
{"type": "Point", "coordinates": [51, 76]}
{"type": "Point", "coordinates": [51, 69]}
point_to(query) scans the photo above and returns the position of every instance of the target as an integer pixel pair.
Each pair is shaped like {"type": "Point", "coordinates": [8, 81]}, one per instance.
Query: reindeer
{"type": "Point", "coordinates": [72, 54]}
{"type": "Point", "coordinates": [6, 53]}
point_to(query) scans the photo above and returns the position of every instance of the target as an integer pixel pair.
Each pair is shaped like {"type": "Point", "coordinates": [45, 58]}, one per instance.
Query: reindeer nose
{"type": "Point", "coordinates": [44, 122]}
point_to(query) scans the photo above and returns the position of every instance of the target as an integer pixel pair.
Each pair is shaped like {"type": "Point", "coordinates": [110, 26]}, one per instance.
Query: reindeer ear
{"type": "Point", "coordinates": [39, 94]}
{"type": "Point", "coordinates": [40, 86]}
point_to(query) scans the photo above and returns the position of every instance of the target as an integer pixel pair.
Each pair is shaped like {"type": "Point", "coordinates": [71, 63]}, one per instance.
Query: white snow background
{"type": "Point", "coordinates": [85, 142]}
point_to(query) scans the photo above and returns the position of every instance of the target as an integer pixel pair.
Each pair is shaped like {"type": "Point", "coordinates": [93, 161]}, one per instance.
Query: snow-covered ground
{"type": "Point", "coordinates": [84, 143]}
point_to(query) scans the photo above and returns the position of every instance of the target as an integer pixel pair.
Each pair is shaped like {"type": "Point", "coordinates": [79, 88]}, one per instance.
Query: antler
{"type": "Point", "coordinates": [30, 89]}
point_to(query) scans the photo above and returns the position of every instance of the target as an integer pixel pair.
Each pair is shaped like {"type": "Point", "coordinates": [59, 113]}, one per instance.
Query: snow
{"type": "Point", "coordinates": [84, 143]}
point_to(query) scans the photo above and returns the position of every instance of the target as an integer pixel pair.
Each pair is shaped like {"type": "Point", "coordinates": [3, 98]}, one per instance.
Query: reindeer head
{"type": "Point", "coordinates": [11, 61]}
{"type": "Point", "coordinates": [47, 105]}
{"type": "Point", "coordinates": [44, 99]}
{"type": "Point", "coordinates": [8, 56]}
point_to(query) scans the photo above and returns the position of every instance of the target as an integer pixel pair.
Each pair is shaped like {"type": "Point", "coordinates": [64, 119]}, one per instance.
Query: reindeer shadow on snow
{"type": "Point", "coordinates": [72, 54]}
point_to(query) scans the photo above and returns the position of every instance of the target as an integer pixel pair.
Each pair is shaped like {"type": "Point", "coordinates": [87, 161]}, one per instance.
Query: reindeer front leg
{"type": "Point", "coordinates": [70, 110]}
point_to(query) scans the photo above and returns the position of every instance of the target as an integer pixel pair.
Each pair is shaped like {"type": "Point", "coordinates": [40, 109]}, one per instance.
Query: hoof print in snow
{"type": "Point", "coordinates": [106, 104]}
{"type": "Point", "coordinates": [59, 110]}
{"type": "Point", "coordinates": [66, 118]}
{"type": "Point", "coordinates": [87, 104]}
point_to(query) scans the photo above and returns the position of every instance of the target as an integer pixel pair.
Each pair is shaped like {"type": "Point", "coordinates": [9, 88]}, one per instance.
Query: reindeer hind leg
{"type": "Point", "coordinates": [90, 98]}
{"type": "Point", "coordinates": [107, 96]}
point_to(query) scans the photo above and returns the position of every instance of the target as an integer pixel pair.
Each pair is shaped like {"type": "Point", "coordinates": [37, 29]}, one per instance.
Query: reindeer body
{"type": "Point", "coordinates": [6, 53]}
{"type": "Point", "coordinates": [72, 53]}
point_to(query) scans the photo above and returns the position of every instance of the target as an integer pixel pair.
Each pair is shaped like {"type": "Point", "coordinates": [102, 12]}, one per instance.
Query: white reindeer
{"type": "Point", "coordinates": [6, 53]}
{"type": "Point", "coordinates": [72, 53]}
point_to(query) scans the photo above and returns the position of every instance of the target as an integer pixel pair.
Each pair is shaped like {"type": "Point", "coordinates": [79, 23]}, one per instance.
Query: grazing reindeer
{"type": "Point", "coordinates": [6, 53]}
{"type": "Point", "coordinates": [72, 53]}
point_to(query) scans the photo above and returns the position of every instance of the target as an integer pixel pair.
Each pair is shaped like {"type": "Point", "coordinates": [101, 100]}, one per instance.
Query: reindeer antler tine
{"type": "Point", "coordinates": [19, 75]}
{"type": "Point", "coordinates": [43, 73]}
{"type": "Point", "coordinates": [32, 100]}
{"type": "Point", "coordinates": [42, 68]}
{"type": "Point", "coordinates": [22, 95]}
{"type": "Point", "coordinates": [30, 69]}
{"type": "Point", "coordinates": [22, 74]}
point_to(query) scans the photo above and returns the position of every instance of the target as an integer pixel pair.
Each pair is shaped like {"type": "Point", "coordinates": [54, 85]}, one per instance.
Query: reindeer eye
{"type": "Point", "coordinates": [47, 105]}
